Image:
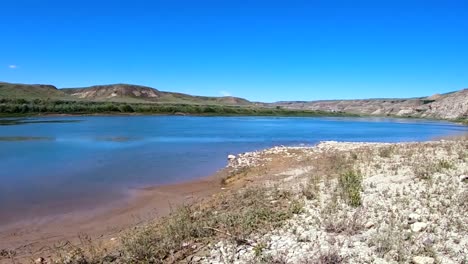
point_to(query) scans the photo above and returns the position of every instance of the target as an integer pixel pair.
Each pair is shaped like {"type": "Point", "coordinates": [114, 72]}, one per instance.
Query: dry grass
{"type": "Point", "coordinates": [311, 190]}
{"type": "Point", "coordinates": [234, 217]}
{"type": "Point", "coordinates": [331, 256]}
{"type": "Point", "coordinates": [386, 152]}
{"type": "Point", "coordinates": [339, 222]}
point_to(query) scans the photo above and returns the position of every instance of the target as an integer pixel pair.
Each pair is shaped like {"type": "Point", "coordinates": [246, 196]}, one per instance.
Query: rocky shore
{"type": "Point", "coordinates": [413, 209]}
{"type": "Point", "coordinates": [336, 202]}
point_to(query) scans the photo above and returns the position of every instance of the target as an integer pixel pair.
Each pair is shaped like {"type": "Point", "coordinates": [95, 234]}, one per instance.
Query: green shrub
{"type": "Point", "coordinates": [350, 184]}
{"type": "Point", "coordinates": [444, 164]}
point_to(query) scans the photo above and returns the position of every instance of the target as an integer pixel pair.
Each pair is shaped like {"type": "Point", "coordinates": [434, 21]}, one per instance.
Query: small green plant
{"type": "Point", "coordinates": [297, 207]}
{"type": "Point", "coordinates": [259, 248]}
{"type": "Point", "coordinates": [332, 256]}
{"type": "Point", "coordinates": [424, 171]}
{"type": "Point", "coordinates": [386, 152]}
{"type": "Point", "coordinates": [444, 164]}
{"type": "Point", "coordinates": [350, 184]}
{"type": "Point", "coordinates": [311, 190]}
{"type": "Point", "coordinates": [339, 222]}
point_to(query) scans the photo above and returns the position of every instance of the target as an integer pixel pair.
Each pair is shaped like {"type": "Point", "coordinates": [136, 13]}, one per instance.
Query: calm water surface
{"type": "Point", "coordinates": [60, 164]}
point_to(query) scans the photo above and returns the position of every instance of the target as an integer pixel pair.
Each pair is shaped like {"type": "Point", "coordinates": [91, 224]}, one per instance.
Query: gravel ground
{"type": "Point", "coordinates": [413, 207]}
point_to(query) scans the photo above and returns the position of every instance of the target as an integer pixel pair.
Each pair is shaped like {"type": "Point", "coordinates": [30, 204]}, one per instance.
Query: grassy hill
{"type": "Point", "coordinates": [136, 93]}
{"type": "Point", "coordinates": [121, 93]}
{"type": "Point", "coordinates": [23, 99]}
{"type": "Point", "coordinates": [128, 98]}
{"type": "Point", "coordinates": [30, 91]}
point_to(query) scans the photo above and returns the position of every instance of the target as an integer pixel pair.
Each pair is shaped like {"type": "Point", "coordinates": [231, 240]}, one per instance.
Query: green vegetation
{"type": "Point", "coordinates": [311, 190]}
{"type": "Point", "coordinates": [444, 165]}
{"type": "Point", "coordinates": [350, 184]}
{"type": "Point", "coordinates": [234, 216]}
{"type": "Point", "coordinates": [11, 90]}
{"type": "Point", "coordinates": [463, 121]}
{"type": "Point", "coordinates": [18, 107]}
{"type": "Point", "coordinates": [427, 170]}
{"type": "Point", "coordinates": [386, 152]}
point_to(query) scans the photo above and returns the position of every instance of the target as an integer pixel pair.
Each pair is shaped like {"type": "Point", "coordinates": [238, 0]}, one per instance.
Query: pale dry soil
{"type": "Point", "coordinates": [414, 206]}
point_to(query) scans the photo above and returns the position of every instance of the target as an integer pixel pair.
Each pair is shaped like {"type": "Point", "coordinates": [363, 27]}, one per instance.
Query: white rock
{"type": "Point", "coordinates": [413, 218]}
{"type": "Point", "coordinates": [196, 259]}
{"type": "Point", "coordinates": [369, 224]}
{"type": "Point", "coordinates": [464, 178]}
{"type": "Point", "coordinates": [231, 157]}
{"type": "Point", "coordinates": [418, 226]}
{"type": "Point", "coordinates": [423, 260]}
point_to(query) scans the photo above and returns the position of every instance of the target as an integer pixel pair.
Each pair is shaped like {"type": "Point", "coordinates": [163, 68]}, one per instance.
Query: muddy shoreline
{"type": "Point", "coordinates": [40, 235]}
{"type": "Point", "coordinates": [384, 167]}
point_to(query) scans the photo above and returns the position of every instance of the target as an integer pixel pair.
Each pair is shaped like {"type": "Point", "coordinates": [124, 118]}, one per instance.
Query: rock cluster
{"type": "Point", "coordinates": [404, 218]}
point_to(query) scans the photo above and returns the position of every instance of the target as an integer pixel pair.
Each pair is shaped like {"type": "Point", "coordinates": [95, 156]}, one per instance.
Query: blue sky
{"type": "Point", "coordinates": [260, 50]}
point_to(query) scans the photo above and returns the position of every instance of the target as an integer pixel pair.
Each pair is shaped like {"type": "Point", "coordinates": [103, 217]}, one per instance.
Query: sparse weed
{"type": "Point", "coordinates": [337, 220]}
{"type": "Point", "coordinates": [234, 216]}
{"type": "Point", "coordinates": [331, 256]}
{"type": "Point", "coordinates": [297, 207]}
{"type": "Point", "coordinates": [444, 165]}
{"type": "Point", "coordinates": [350, 184]}
{"type": "Point", "coordinates": [424, 171]}
{"type": "Point", "coordinates": [259, 248]}
{"type": "Point", "coordinates": [386, 152]}
{"type": "Point", "coordinates": [311, 190]}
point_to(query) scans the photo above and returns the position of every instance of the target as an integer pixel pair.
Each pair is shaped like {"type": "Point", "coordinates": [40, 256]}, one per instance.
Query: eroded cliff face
{"type": "Point", "coordinates": [446, 106]}
{"type": "Point", "coordinates": [115, 90]}
{"type": "Point", "coordinates": [449, 106]}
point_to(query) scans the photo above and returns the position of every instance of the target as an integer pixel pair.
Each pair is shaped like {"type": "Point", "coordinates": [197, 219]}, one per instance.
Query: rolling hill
{"type": "Point", "coordinates": [126, 93]}
{"type": "Point", "coordinates": [452, 105]}
{"type": "Point", "coordinates": [29, 91]}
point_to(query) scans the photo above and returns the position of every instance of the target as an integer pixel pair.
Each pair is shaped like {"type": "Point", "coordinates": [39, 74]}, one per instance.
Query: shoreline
{"type": "Point", "coordinates": [460, 122]}
{"type": "Point", "coordinates": [286, 166]}
{"type": "Point", "coordinates": [142, 205]}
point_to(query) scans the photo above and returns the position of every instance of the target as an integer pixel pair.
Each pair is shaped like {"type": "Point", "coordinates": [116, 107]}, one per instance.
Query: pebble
{"type": "Point", "coordinates": [423, 260]}
{"type": "Point", "coordinates": [413, 218]}
{"type": "Point", "coordinates": [464, 178]}
{"type": "Point", "coordinates": [369, 224]}
{"type": "Point", "coordinates": [427, 241]}
{"type": "Point", "coordinates": [39, 260]}
{"type": "Point", "coordinates": [418, 226]}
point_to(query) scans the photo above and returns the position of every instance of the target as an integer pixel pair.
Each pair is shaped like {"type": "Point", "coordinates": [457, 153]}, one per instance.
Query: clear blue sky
{"type": "Point", "coordinates": [260, 50]}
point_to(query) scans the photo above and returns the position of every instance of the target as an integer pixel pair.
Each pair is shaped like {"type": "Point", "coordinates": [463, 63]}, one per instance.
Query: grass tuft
{"type": "Point", "coordinates": [350, 184]}
{"type": "Point", "coordinates": [233, 216]}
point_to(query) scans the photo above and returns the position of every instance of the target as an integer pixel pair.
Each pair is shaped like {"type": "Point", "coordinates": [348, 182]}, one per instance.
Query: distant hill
{"type": "Point", "coordinates": [135, 93]}
{"type": "Point", "coordinates": [453, 105]}
{"type": "Point", "coordinates": [113, 93]}
{"type": "Point", "coordinates": [29, 91]}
